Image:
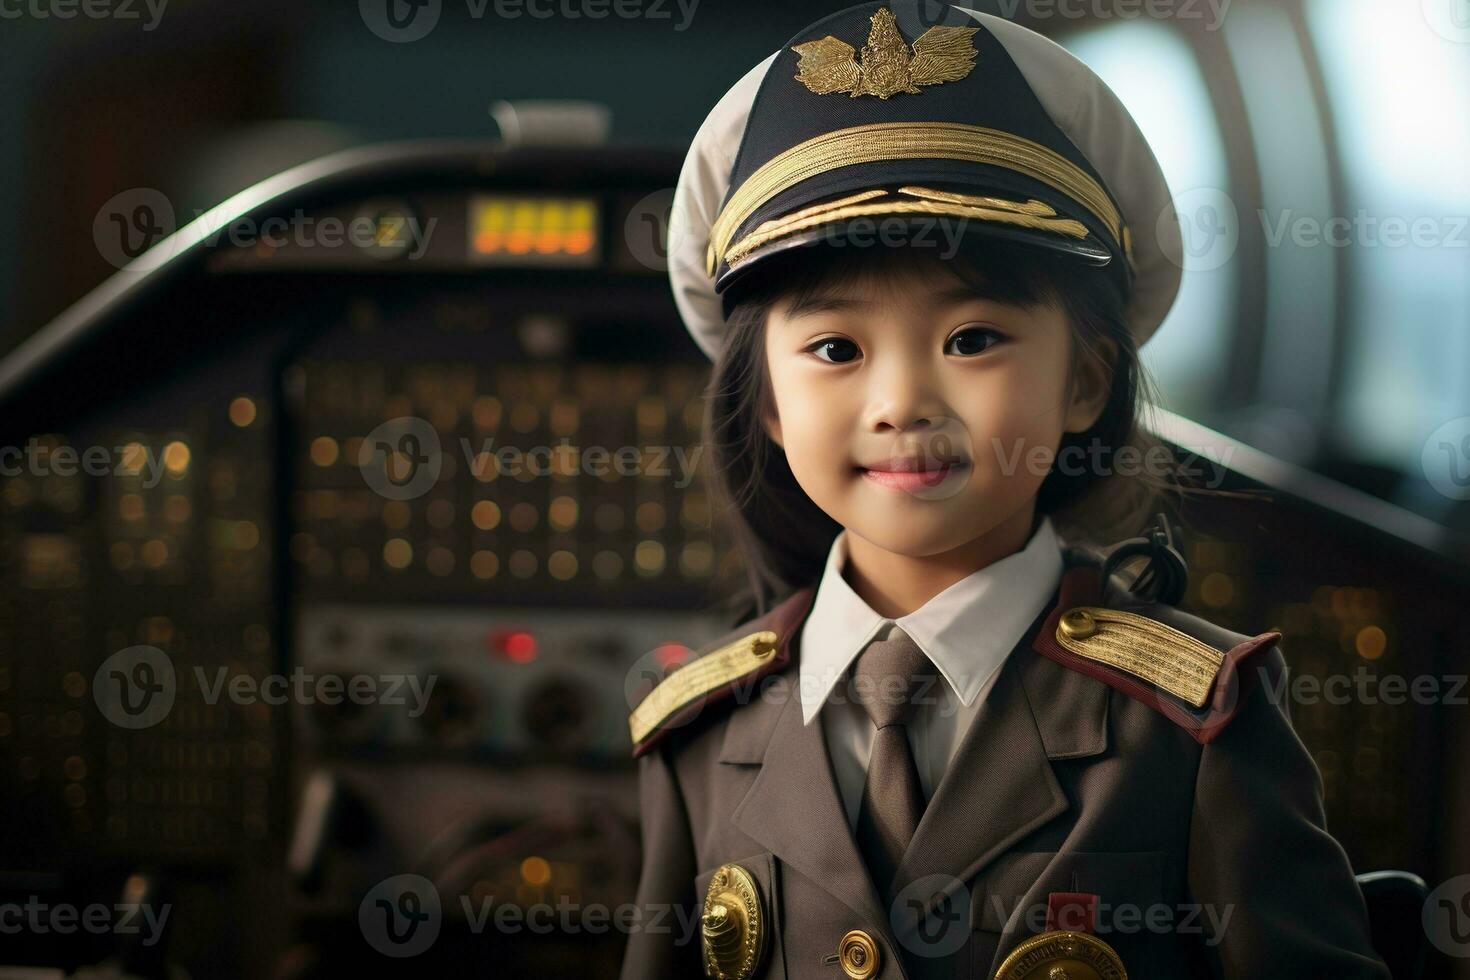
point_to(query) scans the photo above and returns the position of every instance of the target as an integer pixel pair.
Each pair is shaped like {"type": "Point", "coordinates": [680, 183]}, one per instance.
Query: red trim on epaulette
{"type": "Point", "coordinates": [1081, 586]}
{"type": "Point", "coordinates": [784, 619]}
{"type": "Point", "coordinates": [1233, 683]}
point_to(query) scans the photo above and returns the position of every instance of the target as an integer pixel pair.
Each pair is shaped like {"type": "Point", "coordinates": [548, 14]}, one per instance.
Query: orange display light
{"type": "Point", "coordinates": [512, 230]}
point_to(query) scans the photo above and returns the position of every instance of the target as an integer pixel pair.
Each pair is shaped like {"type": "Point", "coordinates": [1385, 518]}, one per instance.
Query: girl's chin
{"type": "Point", "coordinates": [912, 538]}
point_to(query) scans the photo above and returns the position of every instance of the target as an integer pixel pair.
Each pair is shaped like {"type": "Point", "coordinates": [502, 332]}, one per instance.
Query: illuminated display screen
{"type": "Point", "coordinates": [508, 230]}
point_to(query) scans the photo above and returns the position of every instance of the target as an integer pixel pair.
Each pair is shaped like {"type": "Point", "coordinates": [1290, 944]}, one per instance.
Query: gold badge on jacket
{"type": "Point", "coordinates": [1069, 948]}
{"type": "Point", "coordinates": [1062, 956]}
{"type": "Point", "coordinates": [941, 54]}
{"type": "Point", "coordinates": [733, 927]}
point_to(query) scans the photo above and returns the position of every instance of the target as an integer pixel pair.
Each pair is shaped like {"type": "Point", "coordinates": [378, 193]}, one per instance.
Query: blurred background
{"type": "Point", "coordinates": [261, 452]}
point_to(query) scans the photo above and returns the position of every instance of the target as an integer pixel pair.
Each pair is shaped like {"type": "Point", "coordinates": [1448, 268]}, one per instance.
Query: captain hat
{"type": "Point", "coordinates": [907, 110]}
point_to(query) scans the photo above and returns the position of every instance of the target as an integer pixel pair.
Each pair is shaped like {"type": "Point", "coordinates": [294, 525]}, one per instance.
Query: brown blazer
{"type": "Point", "coordinates": [1201, 833]}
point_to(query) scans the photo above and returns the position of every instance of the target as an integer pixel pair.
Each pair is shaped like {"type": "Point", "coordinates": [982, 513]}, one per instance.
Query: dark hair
{"type": "Point", "coordinates": [783, 537]}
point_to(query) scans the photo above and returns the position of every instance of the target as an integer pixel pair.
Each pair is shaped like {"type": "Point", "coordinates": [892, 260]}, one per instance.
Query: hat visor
{"type": "Point", "coordinates": [941, 233]}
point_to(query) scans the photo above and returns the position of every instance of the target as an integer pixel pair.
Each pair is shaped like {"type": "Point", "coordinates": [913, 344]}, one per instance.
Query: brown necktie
{"type": "Point", "coordinates": [888, 680]}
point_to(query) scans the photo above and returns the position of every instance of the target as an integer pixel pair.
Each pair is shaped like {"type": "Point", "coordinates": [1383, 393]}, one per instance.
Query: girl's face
{"type": "Point", "coordinates": [919, 416]}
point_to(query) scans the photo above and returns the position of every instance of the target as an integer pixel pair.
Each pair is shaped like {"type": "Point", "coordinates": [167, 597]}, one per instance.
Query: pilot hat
{"type": "Point", "coordinates": [916, 111]}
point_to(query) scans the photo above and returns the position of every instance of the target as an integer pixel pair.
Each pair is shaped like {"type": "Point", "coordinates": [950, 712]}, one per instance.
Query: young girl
{"type": "Point", "coordinates": [923, 246]}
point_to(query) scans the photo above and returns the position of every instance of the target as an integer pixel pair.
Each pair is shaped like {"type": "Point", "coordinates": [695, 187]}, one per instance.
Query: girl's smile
{"type": "Point", "coordinates": [911, 481]}
{"type": "Point", "coordinates": [923, 474]}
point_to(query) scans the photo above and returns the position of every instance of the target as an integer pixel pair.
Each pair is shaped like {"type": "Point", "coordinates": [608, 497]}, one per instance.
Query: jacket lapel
{"type": "Point", "coordinates": [793, 809]}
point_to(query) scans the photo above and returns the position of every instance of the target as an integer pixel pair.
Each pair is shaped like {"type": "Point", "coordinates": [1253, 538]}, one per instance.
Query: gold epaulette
{"type": "Point", "coordinates": [1199, 680]}
{"type": "Point", "coordinates": [692, 686]}
{"type": "Point", "coordinates": [1167, 658]}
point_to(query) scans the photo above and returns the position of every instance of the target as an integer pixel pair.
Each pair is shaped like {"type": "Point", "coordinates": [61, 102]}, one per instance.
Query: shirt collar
{"type": "Point", "coordinates": [967, 630]}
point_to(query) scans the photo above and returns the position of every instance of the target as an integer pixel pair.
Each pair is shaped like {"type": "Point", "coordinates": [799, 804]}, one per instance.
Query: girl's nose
{"type": "Point", "coordinates": [894, 421]}
{"type": "Point", "coordinates": [904, 398]}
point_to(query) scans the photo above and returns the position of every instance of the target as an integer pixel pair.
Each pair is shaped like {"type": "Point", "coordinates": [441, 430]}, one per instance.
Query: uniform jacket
{"type": "Point", "coordinates": [1201, 833]}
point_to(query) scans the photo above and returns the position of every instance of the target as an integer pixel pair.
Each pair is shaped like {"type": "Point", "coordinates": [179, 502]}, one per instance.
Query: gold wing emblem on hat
{"type": "Point", "coordinates": [828, 66]}
{"type": "Point", "coordinates": [886, 66]}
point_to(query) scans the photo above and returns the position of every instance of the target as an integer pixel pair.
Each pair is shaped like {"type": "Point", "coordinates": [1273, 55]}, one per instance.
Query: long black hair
{"type": "Point", "coordinates": [783, 537]}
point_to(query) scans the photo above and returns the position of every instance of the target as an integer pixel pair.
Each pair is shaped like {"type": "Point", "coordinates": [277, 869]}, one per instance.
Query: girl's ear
{"type": "Point", "coordinates": [1091, 386]}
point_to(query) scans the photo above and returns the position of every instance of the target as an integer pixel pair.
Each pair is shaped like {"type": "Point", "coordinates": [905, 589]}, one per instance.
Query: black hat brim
{"type": "Point", "coordinates": [905, 231]}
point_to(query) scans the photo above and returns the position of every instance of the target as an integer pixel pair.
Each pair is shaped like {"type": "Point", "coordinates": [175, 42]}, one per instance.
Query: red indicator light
{"type": "Point", "coordinates": [669, 654]}
{"type": "Point", "coordinates": [516, 645]}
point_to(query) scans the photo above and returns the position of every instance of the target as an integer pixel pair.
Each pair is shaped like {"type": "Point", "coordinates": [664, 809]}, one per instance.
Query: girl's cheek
{"type": "Point", "coordinates": [821, 411]}
{"type": "Point", "coordinates": [1009, 431]}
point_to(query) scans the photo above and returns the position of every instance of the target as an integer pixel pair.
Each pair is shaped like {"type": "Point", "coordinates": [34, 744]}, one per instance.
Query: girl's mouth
{"type": "Point", "coordinates": [912, 480]}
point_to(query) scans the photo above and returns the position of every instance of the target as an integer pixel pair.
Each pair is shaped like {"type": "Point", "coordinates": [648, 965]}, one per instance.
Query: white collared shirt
{"type": "Point", "coordinates": [967, 631]}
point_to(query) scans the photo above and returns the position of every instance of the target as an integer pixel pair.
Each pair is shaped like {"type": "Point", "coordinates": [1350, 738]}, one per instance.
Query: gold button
{"type": "Point", "coordinates": [858, 955]}
{"type": "Point", "coordinates": [1078, 624]}
{"type": "Point", "coordinates": [762, 644]}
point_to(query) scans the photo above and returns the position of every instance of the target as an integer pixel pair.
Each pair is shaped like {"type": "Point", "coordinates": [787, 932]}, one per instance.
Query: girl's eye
{"type": "Point", "coordinates": [835, 350]}
{"type": "Point", "coordinates": [972, 340]}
